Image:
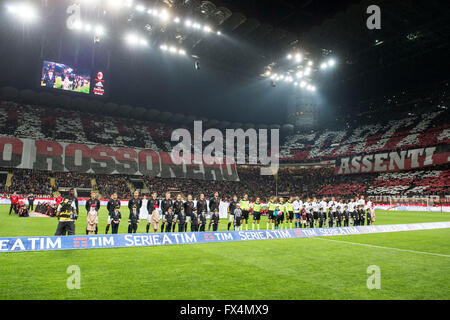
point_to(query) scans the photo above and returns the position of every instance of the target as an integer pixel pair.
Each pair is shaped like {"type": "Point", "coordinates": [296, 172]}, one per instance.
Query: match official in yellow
{"type": "Point", "coordinates": [245, 207]}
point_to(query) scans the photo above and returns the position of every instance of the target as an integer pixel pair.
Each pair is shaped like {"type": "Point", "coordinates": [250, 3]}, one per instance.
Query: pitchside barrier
{"type": "Point", "coordinates": [21, 244]}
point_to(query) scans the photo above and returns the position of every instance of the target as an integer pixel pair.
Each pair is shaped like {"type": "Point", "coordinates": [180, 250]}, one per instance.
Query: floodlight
{"type": "Point", "coordinates": [99, 30]}
{"type": "Point", "coordinates": [323, 66]}
{"type": "Point", "coordinates": [289, 56]}
{"type": "Point", "coordinates": [164, 15]}
{"type": "Point", "coordinates": [188, 23]}
{"type": "Point", "coordinates": [331, 62]}
{"type": "Point", "coordinates": [78, 25]}
{"type": "Point", "coordinates": [23, 11]}
{"type": "Point", "coordinates": [115, 3]}
{"type": "Point", "coordinates": [140, 8]}
{"type": "Point", "coordinates": [181, 52]}
{"type": "Point", "coordinates": [132, 39]}
{"type": "Point", "coordinates": [176, 20]}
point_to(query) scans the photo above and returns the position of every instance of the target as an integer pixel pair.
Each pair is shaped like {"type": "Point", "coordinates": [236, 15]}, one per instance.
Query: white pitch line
{"type": "Point", "coordinates": [381, 247]}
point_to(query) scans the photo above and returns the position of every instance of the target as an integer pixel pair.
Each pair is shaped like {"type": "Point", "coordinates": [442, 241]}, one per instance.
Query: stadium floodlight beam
{"type": "Point", "coordinates": [164, 15]}
{"type": "Point", "coordinates": [196, 25]}
{"type": "Point", "coordinates": [88, 27]}
{"type": "Point", "coordinates": [331, 62]}
{"type": "Point", "coordinates": [310, 63]}
{"type": "Point", "coordinates": [132, 39]}
{"type": "Point", "coordinates": [207, 29]}
{"type": "Point", "coordinates": [24, 12]}
{"type": "Point", "coordinates": [181, 52]}
{"type": "Point", "coordinates": [323, 66]}
{"type": "Point", "coordinates": [188, 23]}
{"type": "Point", "coordinates": [289, 56]}
{"type": "Point", "coordinates": [11, 9]}
{"type": "Point", "coordinates": [219, 33]}
{"type": "Point", "coordinates": [163, 47]}
{"type": "Point", "coordinates": [78, 25]}
{"type": "Point", "coordinates": [140, 8]}
{"type": "Point", "coordinates": [298, 57]}
{"type": "Point", "coordinates": [176, 20]}
{"type": "Point", "coordinates": [115, 3]}
{"type": "Point", "coordinates": [99, 31]}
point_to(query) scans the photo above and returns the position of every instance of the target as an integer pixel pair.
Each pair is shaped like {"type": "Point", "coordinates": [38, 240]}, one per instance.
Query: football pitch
{"type": "Point", "coordinates": [412, 265]}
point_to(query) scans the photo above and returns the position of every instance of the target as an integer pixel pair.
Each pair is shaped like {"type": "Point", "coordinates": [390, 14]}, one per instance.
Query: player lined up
{"type": "Point", "coordinates": [168, 215]}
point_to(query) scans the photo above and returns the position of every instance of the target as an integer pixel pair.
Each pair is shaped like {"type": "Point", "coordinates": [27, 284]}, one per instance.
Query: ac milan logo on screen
{"type": "Point", "coordinates": [98, 88]}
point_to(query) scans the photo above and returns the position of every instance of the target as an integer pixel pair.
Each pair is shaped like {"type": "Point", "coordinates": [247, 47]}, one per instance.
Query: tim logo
{"type": "Point", "coordinates": [80, 242]}
{"type": "Point", "coordinates": [298, 233]}
{"type": "Point", "coordinates": [209, 237]}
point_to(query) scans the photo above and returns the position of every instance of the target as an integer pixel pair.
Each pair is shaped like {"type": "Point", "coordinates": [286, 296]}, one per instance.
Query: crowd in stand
{"type": "Point", "coordinates": [304, 181]}
{"type": "Point", "coordinates": [401, 127]}
{"type": "Point", "coordinates": [397, 131]}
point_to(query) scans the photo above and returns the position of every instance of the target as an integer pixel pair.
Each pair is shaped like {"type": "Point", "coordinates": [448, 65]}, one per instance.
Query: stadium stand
{"type": "Point", "coordinates": [403, 130]}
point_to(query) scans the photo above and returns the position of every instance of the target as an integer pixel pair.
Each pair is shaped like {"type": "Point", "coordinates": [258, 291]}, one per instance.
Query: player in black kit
{"type": "Point", "coordinates": [177, 206]}
{"type": "Point", "coordinates": [213, 205]}
{"type": "Point", "coordinates": [165, 205]}
{"type": "Point", "coordinates": [112, 204]}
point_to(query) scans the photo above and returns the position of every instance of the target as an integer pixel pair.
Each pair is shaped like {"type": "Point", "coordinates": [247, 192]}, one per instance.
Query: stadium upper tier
{"type": "Point", "coordinates": [38, 122]}
{"type": "Point", "coordinates": [412, 131]}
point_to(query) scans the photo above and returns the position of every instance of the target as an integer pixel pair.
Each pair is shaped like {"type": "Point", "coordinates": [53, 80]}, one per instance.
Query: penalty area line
{"type": "Point", "coordinates": [382, 247]}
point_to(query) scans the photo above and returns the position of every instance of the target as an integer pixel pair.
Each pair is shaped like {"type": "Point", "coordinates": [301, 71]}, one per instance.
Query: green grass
{"type": "Point", "coordinates": [84, 89]}
{"type": "Point", "coordinates": [307, 268]}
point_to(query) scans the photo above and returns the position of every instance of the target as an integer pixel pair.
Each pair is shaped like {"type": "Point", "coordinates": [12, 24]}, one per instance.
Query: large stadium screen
{"type": "Point", "coordinates": [64, 77]}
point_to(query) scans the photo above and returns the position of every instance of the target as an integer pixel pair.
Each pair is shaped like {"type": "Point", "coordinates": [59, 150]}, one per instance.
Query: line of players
{"type": "Point", "coordinates": [173, 213]}
{"type": "Point", "coordinates": [310, 213]}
